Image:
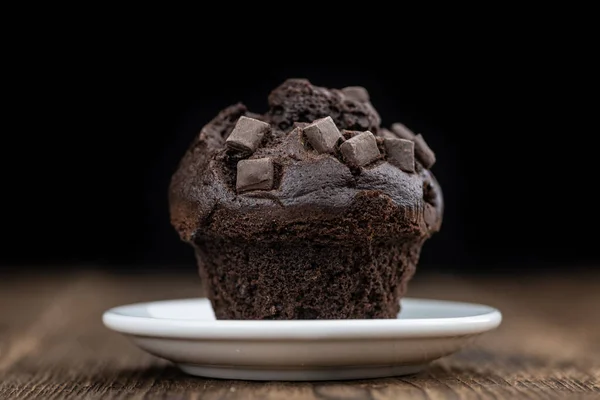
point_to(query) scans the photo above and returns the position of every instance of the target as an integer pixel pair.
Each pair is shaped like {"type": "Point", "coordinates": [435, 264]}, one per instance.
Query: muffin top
{"type": "Point", "coordinates": [316, 166]}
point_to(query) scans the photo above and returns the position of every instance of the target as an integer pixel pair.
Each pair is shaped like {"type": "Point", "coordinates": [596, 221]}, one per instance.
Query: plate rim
{"type": "Point", "coordinates": [115, 320]}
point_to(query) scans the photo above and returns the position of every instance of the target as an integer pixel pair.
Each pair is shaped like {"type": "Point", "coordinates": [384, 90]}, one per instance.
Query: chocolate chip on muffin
{"type": "Point", "coordinates": [254, 174]}
{"type": "Point", "coordinates": [423, 152]}
{"type": "Point", "coordinates": [401, 153]}
{"type": "Point", "coordinates": [323, 135]}
{"type": "Point", "coordinates": [361, 149]}
{"type": "Point", "coordinates": [247, 134]}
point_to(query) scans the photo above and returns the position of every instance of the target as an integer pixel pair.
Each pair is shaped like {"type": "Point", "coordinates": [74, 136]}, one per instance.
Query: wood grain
{"type": "Point", "coordinates": [53, 344]}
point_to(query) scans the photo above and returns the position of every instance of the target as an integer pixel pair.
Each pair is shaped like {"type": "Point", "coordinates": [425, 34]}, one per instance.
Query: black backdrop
{"type": "Point", "coordinates": [88, 161]}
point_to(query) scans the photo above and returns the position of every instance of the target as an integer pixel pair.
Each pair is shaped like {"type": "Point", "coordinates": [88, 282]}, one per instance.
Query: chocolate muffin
{"type": "Point", "coordinates": [309, 211]}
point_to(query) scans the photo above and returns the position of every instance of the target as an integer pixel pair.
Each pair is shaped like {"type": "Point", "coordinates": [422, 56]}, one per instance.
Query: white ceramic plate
{"type": "Point", "coordinates": [186, 332]}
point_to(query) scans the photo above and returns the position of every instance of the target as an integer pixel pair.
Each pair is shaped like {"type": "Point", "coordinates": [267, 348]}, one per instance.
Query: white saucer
{"type": "Point", "coordinates": [186, 332]}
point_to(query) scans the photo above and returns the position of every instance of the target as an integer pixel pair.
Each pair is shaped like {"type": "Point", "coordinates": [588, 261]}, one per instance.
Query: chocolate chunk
{"type": "Point", "coordinates": [423, 152]}
{"type": "Point", "coordinates": [361, 149]}
{"type": "Point", "coordinates": [247, 134]}
{"type": "Point", "coordinates": [255, 174]}
{"type": "Point", "coordinates": [402, 131]}
{"type": "Point", "coordinates": [401, 153]}
{"type": "Point", "coordinates": [293, 144]}
{"type": "Point", "coordinates": [323, 135]}
{"type": "Point", "coordinates": [387, 134]}
{"type": "Point", "coordinates": [357, 93]}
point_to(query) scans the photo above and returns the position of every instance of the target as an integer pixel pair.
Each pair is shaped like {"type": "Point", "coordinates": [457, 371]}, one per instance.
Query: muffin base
{"type": "Point", "coordinates": [306, 280]}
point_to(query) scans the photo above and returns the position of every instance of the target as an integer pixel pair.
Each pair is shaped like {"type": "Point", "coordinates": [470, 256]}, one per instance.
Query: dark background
{"type": "Point", "coordinates": [92, 144]}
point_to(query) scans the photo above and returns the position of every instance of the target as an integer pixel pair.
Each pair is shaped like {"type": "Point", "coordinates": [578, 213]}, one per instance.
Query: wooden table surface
{"type": "Point", "coordinates": [54, 346]}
